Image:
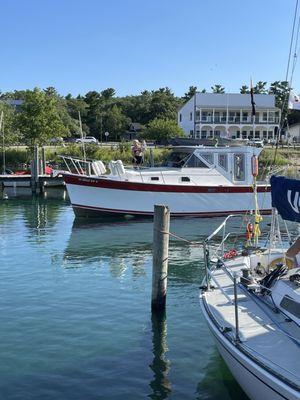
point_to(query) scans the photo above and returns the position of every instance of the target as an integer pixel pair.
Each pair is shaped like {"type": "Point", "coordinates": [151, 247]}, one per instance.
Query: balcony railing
{"type": "Point", "coordinates": [236, 120]}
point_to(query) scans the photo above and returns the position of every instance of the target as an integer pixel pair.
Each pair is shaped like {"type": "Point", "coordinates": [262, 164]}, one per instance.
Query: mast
{"type": "Point", "coordinates": [3, 142]}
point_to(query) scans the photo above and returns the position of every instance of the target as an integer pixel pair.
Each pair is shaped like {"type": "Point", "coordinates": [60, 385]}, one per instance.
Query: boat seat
{"type": "Point", "coordinates": [113, 167]}
{"type": "Point", "coordinates": [101, 167]}
{"type": "Point", "coordinates": [96, 168]}
{"type": "Point", "coordinates": [120, 167]}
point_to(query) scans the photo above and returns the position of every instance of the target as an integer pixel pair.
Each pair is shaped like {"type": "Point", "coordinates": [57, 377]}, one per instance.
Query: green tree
{"type": "Point", "coordinates": [40, 119]}
{"type": "Point", "coordinates": [163, 104]}
{"type": "Point", "coordinates": [108, 93]}
{"type": "Point", "coordinates": [218, 89]}
{"type": "Point", "coordinates": [160, 129]}
{"type": "Point", "coordinates": [260, 88]}
{"type": "Point", "coordinates": [244, 89]}
{"type": "Point", "coordinates": [115, 121]}
{"type": "Point", "coordinates": [9, 126]}
{"type": "Point", "coordinates": [190, 93]}
{"type": "Point", "coordinates": [281, 90]}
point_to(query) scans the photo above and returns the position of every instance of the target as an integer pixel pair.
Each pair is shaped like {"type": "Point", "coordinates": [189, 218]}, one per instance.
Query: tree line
{"type": "Point", "coordinates": [45, 114]}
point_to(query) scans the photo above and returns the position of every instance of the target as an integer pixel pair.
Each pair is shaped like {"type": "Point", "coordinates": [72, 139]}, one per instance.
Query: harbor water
{"type": "Point", "coordinates": [75, 310]}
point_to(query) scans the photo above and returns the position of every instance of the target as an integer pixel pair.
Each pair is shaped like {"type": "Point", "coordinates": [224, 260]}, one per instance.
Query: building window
{"type": "Point", "coordinates": [244, 134]}
{"type": "Point", "coordinates": [270, 134]}
{"type": "Point", "coordinates": [180, 117]}
{"type": "Point", "coordinates": [197, 115]}
{"type": "Point", "coordinates": [245, 117]}
{"type": "Point", "coordinates": [265, 134]}
{"type": "Point", "coordinates": [257, 135]}
{"type": "Point", "coordinates": [271, 116]}
{"type": "Point", "coordinates": [191, 116]}
{"type": "Point", "coordinates": [238, 134]}
{"type": "Point", "coordinates": [203, 134]}
{"type": "Point", "coordinates": [191, 133]}
{"type": "Point", "coordinates": [265, 117]}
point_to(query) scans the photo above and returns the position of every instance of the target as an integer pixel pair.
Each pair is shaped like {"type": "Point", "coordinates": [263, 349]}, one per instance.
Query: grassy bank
{"type": "Point", "coordinates": [15, 157]}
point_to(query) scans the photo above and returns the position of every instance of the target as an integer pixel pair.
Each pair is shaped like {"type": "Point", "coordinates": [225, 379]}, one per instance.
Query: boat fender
{"type": "Point", "coordinates": [249, 231]}
{"type": "Point", "coordinates": [254, 166]}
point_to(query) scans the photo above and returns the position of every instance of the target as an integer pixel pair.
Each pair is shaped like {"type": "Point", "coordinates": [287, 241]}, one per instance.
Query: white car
{"type": "Point", "coordinates": [87, 139]}
{"type": "Point", "coordinates": [256, 143]}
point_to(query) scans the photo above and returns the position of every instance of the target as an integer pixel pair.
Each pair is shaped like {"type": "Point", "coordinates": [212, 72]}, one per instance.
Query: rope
{"type": "Point", "coordinates": [180, 238]}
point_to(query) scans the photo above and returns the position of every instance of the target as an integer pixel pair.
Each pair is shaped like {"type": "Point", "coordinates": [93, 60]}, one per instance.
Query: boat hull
{"type": "Point", "coordinates": [91, 197]}
{"type": "Point", "coordinates": [256, 381]}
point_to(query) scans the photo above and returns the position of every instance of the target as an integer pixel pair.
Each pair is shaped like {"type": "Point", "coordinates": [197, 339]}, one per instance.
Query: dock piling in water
{"type": "Point", "coordinates": [161, 226]}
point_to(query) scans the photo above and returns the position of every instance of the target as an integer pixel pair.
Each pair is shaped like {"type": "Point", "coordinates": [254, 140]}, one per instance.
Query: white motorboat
{"type": "Point", "coordinates": [195, 181]}
{"type": "Point", "coordinates": [251, 301]}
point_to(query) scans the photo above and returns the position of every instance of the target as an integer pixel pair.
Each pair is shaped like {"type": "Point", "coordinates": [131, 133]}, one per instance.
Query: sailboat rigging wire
{"type": "Point", "coordinates": [287, 94]}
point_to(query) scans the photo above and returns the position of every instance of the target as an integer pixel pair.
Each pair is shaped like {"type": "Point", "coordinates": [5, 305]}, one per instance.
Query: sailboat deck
{"type": "Point", "coordinates": [260, 328]}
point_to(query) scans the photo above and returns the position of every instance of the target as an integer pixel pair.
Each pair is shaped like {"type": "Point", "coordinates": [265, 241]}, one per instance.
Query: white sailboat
{"type": "Point", "coordinates": [251, 301]}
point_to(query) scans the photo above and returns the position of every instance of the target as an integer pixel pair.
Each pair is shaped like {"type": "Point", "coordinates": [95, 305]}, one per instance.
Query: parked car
{"type": "Point", "coordinates": [257, 142]}
{"type": "Point", "coordinates": [87, 139]}
{"type": "Point", "coordinates": [56, 140]}
{"type": "Point", "coordinates": [70, 140]}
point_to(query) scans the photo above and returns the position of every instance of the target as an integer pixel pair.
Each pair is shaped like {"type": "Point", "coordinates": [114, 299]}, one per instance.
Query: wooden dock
{"type": "Point", "coordinates": [40, 183]}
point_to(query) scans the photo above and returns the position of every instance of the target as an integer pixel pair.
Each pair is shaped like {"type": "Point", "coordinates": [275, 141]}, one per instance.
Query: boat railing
{"type": "Point", "coordinates": [208, 274]}
{"type": "Point", "coordinates": [81, 167]}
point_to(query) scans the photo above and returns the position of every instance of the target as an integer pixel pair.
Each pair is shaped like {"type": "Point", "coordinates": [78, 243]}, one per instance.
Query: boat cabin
{"type": "Point", "coordinates": [232, 162]}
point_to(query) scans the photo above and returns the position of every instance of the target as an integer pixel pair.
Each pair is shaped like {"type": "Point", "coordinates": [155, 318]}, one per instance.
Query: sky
{"type": "Point", "coordinates": [135, 45]}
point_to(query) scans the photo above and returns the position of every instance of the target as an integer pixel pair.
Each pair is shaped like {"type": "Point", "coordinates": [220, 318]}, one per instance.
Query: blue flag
{"type": "Point", "coordinates": [286, 197]}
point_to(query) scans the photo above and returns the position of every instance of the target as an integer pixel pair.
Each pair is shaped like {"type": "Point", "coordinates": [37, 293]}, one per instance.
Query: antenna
{"type": "Point", "coordinates": [82, 141]}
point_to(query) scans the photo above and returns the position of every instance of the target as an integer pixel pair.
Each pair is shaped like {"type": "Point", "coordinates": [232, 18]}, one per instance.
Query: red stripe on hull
{"type": "Point", "coordinates": [86, 211]}
{"type": "Point", "coordinates": [150, 187]}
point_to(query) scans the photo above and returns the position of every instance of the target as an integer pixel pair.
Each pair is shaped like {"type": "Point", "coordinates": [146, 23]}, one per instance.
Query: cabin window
{"type": "Point", "coordinates": [154, 178]}
{"type": "Point", "coordinates": [208, 157]}
{"type": "Point", "coordinates": [177, 159]}
{"type": "Point", "coordinates": [239, 167]}
{"type": "Point", "coordinates": [185, 179]}
{"type": "Point", "coordinates": [195, 162]}
{"type": "Point", "coordinates": [291, 306]}
{"type": "Point", "coordinates": [223, 161]}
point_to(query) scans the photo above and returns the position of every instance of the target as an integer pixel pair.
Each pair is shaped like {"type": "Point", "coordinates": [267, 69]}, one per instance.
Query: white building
{"type": "Point", "coordinates": [293, 133]}
{"type": "Point", "coordinates": [209, 115]}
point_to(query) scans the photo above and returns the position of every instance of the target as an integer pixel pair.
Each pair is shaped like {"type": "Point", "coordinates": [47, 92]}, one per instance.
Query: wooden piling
{"type": "Point", "coordinates": [35, 170]}
{"type": "Point", "coordinates": [161, 225]}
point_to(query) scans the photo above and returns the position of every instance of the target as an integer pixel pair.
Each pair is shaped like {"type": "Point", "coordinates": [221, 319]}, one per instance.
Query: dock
{"type": "Point", "coordinates": [40, 183]}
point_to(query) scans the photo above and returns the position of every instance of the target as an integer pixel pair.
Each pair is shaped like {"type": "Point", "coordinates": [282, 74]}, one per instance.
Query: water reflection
{"type": "Point", "coordinates": [160, 384]}
{"type": "Point", "coordinates": [217, 370]}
